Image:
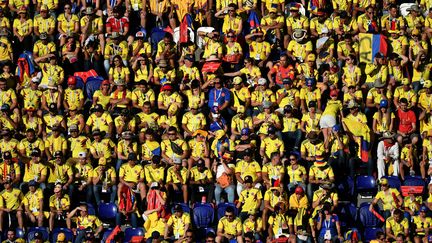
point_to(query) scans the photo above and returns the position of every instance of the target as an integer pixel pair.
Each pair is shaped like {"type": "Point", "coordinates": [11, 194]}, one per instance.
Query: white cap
{"type": "Point", "coordinates": [262, 81]}
{"type": "Point", "coordinates": [82, 155]}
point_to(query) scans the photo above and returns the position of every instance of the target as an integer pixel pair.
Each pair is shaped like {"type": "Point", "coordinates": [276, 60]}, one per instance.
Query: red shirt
{"type": "Point", "coordinates": [117, 25]}
{"type": "Point", "coordinates": [282, 72]}
{"type": "Point", "coordinates": [406, 119]}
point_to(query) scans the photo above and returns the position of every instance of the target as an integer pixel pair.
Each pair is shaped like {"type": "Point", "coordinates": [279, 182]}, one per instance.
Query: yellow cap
{"type": "Point", "coordinates": [311, 57]}
{"type": "Point", "coordinates": [44, 8]}
{"type": "Point", "coordinates": [415, 32]}
{"type": "Point", "coordinates": [383, 181]}
{"type": "Point", "coordinates": [61, 237]}
{"type": "Point", "coordinates": [273, 10]}
{"type": "Point", "coordinates": [237, 80]}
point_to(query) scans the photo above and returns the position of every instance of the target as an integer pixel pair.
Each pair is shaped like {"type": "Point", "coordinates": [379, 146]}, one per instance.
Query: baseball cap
{"type": "Point", "coordinates": [423, 208]}
{"type": "Point", "coordinates": [132, 156]}
{"type": "Point", "coordinates": [71, 80]}
{"type": "Point", "coordinates": [271, 130]}
{"type": "Point", "coordinates": [177, 161]}
{"type": "Point", "coordinates": [73, 128]}
{"type": "Point", "coordinates": [299, 190]}
{"type": "Point", "coordinates": [58, 153]}
{"type": "Point", "coordinates": [245, 131]}
{"type": "Point", "coordinates": [82, 155]}
{"type": "Point", "coordinates": [334, 93]}
{"type": "Point", "coordinates": [37, 235]}
{"type": "Point", "coordinates": [200, 163]}
{"type": "Point", "coordinates": [383, 181]}
{"type": "Point", "coordinates": [262, 81]}
{"type": "Point", "coordinates": [32, 183]}
{"type": "Point", "coordinates": [98, 107]}
{"type": "Point", "coordinates": [35, 152]}
{"type": "Point", "coordinates": [248, 179]}
{"type": "Point", "coordinates": [154, 184]}
{"type": "Point", "coordinates": [237, 80]}
{"type": "Point", "coordinates": [7, 155]}
{"type": "Point", "coordinates": [178, 208]}
{"type": "Point", "coordinates": [61, 236]}
{"type": "Point", "coordinates": [287, 81]}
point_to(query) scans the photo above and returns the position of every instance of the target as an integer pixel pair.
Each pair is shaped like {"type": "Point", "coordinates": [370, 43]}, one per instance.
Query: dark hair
{"type": "Point", "coordinates": [230, 210]}
{"type": "Point", "coordinates": [403, 100]}
{"type": "Point", "coordinates": [250, 235]}
{"type": "Point", "coordinates": [397, 212]}
{"type": "Point", "coordinates": [210, 234]}
{"type": "Point", "coordinates": [172, 129]}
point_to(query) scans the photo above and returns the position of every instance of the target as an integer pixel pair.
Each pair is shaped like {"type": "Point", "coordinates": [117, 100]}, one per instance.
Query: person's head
{"type": "Point", "coordinates": [117, 11]}
{"type": "Point", "coordinates": [294, 10]}
{"type": "Point", "coordinates": [403, 103]}
{"type": "Point", "coordinates": [380, 236]}
{"type": "Point", "coordinates": [393, 10]}
{"type": "Point", "coordinates": [132, 158]}
{"type": "Point", "coordinates": [273, 13]}
{"type": "Point", "coordinates": [232, 9]}
{"type": "Point", "coordinates": [215, 35]}
{"type": "Point", "coordinates": [33, 185]}
{"type": "Point", "coordinates": [44, 11]}
{"type": "Point", "coordinates": [58, 189]}
{"type": "Point", "coordinates": [83, 210]}
{"type": "Point", "coordinates": [293, 159]}
{"type": "Point", "coordinates": [248, 180]}
{"type": "Point", "coordinates": [38, 237]}
{"type": "Point", "coordinates": [217, 83]}
{"type": "Point", "coordinates": [249, 237]}
{"type": "Point", "coordinates": [231, 36]}
{"type": "Point", "coordinates": [321, 14]}
{"type": "Point", "coordinates": [35, 155]}
{"type": "Point", "coordinates": [11, 234]}
{"type": "Point", "coordinates": [58, 156]}
{"type": "Point", "coordinates": [379, 58]}
{"type": "Point", "coordinates": [229, 214]}
{"type": "Point", "coordinates": [248, 62]}
{"type": "Point", "coordinates": [327, 208]}
{"type": "Point", "coordinates": [155, 161]}
{"type": "Point", "coordinates": [397, 215]}
{"type": "Point", "coordinates": [67, 8]}
{"type": "Point", "coordinates": [275, 158]}
{"type": "Point", "coordinates": [201, 165]}
{"type": "Point", "coordinates": [30, 135]}
{"type": "Point", "coordinates": [172, 133]}
{"type": "Point", "coordinates": [82, 158]}
{"type": "Point", "coordinates": [247, 155]}
{"type": "Point", "coordinates": [3, 84]}
{"type": "Point", "coordinates": [7, 157]}
{"type": "Point", "coordinates": [284, 60]}
{"type": "Point", "coordinates": [178, 210]}
{"type": "Point", "coordinates": [189, 235]}
{"type": "Point", "coordinates": [384, 105]}
{"type": "Point", "coordinates": [61, 238]}
{"type": "Point", "coordinates": [117, 60]}
{"type": "Point", "coordinates": [210, 237]}
{"type": "Point", "coordinates": [177, 163]}
{"type": "Point", "coordinates": [400, 238]}
{"type": "Point", "coordinates": [370, 11]}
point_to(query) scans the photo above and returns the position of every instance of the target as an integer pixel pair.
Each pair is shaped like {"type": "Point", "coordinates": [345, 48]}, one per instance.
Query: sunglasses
{"type": "Point", "coordinates": [293, 159]}
{"type": "Point", "coordinates": [171, 134]}
{"type": "Point", "coordinates": [229, 215]}
{"type": "Point", "coordinates": [230, 36]}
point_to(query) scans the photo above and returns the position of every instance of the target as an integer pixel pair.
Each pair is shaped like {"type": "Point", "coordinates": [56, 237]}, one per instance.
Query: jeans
{"type": "Point", "coordinates": [338, 161]}
{"type": "Point", "coordinates": [416, 86]}
{"type": "Point", "coordinates": [229, 191]}
{"type": "Point", "coordinates": [132, 216]}
{"type": "Point", "coordinates": [97, 190]}
{"type": "Point", "coordinates": [80, 236]}
{"type": "Point", "coordinates": [119, 164]}
{"type": "Point", "coordinates": [292, 138]}
{"type": "Point", "coordinates": [294, 185]}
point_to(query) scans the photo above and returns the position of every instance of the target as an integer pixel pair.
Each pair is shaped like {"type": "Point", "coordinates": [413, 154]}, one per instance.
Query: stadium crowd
{"type": "Point", "coordinates": [215, 121]}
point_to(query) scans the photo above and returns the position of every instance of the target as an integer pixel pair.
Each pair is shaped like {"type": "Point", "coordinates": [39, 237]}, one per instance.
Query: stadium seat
{"type": "Point", "coordinates": [91, 210]}
{"type": "Point", "coordinates": [184, 206]}
{"type": "Point", "coordinates": [345, 188]}
{"type": "Point", "coordinates": [413, 181]}
{"type": "Point", "coordinates": [106, 233]}
{"type": "Point", "coordinates": [130, 232]}
{"type": "Point", "coordinates": [19, 233]}
{"type": "Point", "coordinates": [348, 214]}
{"type": "Point", "coordinates": [370, 233]}
{"type": "Point", "coordinates": [367, 219]}
{"type": "Point", "coordinates": [393, 182]}
{"type": "Point", "coordinates": [107, 211]}
{"type": "Point", "coordinates": [221, 207]}
{"type": "Point", "coordinates": [33, 230]}
{"type": "Point", "coordinates": [365, 183]}
{"type": "Point", "coordinates": [203, 215]}
{"type": "Point", "coordinates": [66, 231]}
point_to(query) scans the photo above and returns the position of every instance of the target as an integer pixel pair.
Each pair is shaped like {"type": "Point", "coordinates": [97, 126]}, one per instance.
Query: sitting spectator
{"type": "Point", "coordinates": [396, 225]}
{"type": "Point", "coordinates": [59, 205]}
{"type": "Point", "coordinates": [11, 205]}
{"type": "Point", "coordinates": [84, 222]}
{"type": "Point", "coordinates": [229, 227]}
{"type": "Point", "coordinates": [390, 198]}
{"type": "Point", "coordinates": [178, 224]}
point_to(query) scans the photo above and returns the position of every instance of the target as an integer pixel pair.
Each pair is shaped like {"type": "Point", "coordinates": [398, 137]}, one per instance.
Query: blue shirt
{"type": "Point", "coordinates": [329, 225]}
{"type": "Point", "coordinates": [217, 97]}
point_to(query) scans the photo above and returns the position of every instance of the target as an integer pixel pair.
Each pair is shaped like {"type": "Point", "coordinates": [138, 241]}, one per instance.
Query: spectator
{"type": "Point", "coordinates": [11, 205]}
{"type": "Point", "coordinates": [229, 227]}
{"type": "Point", "coordinates": [178, 224]}
{"type": "Point", "coordinates": [396, 225]}
{"type": "Point", "coordinates": [390, 198]}
{"type": "Point", "coordinates": [388, 155]}
{"type": "Point", "coordinates": [84, 222]}
{"type": "Point", "coordinates": [328, 225]}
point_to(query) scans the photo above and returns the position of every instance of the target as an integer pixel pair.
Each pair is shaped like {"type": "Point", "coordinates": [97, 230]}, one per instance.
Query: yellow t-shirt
{"type": "Point", "coordinates": [131, 174]}
{"type": "Point", "coordinates": [11, 199]}
{"type": "Point", "coordinates": [171, 177]}
{"type": "Point", "coordinates": [154, 174]}
{"type": "Point", "coordinates": [32, 201]}
{"type": "Point", "coordinates": [62, 203]}
{"type": "Point", "coordinates": [249, 198]}
{"type": "Point", "coordinates": [34, 171]}
{"type": "Point", "coordinates": [397, 227]}
{"type": "Point", "coordinates": [227, 227]}
{"type": "Point", "coordinates": [387, 198]}
{"type": "Point", "coordinates": [179, 223]}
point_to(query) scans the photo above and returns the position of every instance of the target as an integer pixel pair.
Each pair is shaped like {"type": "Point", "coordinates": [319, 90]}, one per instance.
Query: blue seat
{"type": "Point", "coordinates": [367, 219]}
{"type": "Point", "coordinates": [413, 181]}
{"type": "Point", "coordinates": [366, 184]}
{"type": "Point", "coordinates": [203, 215]}
{"type": "Point", "coordinates": [105, 235]}
{"type": "Point", "coordinates": [66, 231]}
{"type": "Point", "coordinates": [345, 188]}
{"type": "Point", "coordinates": [348, 214]}
{"type": "Point", "coordinates": [33, 230]}
{"type": "Point", "coordinates": [91, 209]}
{"type": "Point", "coordinates": [131, 232]}
{"type": "Point", "coordinates": [370, 233]}
{"type": "Point", "coordinates": [221, 207]}
{"type": "Point", "coordinates": [107, 211]}
{"type": "Point", "coordinates": [184, 206]}
{"type": "Point", "coordinates": [393, 182]}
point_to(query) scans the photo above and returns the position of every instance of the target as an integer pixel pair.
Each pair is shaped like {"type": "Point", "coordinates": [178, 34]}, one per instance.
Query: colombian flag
{"type": "Point", "coordinates": [361, 131]}
{"type": "Point", "coordinates": [370, 45]}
